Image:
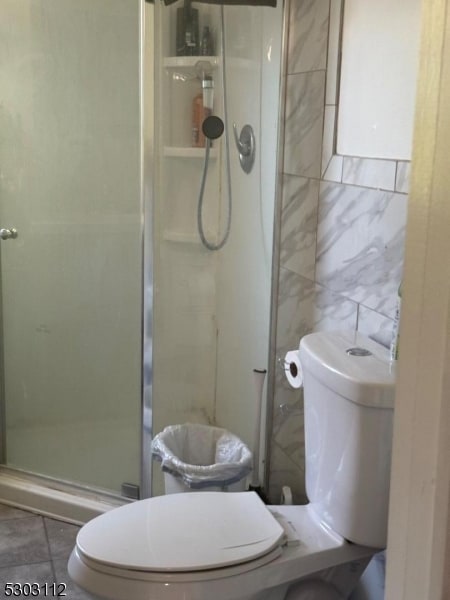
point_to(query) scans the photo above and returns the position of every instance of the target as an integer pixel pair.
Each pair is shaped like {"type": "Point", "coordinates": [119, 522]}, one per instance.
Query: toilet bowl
{"type": "Point", "coordinates": [220, 545]}
{"type": "Point", "coordinates": [231, 546]}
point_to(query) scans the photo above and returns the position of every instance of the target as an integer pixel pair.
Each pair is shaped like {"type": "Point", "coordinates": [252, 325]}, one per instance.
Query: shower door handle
{"type": "Point", "coordinates": [8, 234]}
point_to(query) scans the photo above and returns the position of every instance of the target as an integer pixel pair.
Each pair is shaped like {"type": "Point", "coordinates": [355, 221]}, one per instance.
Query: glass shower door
{"type": "Point", "coordinates": [71, 280]}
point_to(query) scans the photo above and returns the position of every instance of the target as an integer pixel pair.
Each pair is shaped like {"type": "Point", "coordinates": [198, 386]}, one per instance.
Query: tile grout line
{"type": "Point", "coordinates": [49, 551]}
{"type": "Point", "coordinates": [30, 516]}
{"type": "Point", "coordinates": [28, 564]}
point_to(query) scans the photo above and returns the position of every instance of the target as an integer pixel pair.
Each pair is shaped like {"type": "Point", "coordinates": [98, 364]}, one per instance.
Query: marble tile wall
{"type": "Point", "coordinates": [342, 227]}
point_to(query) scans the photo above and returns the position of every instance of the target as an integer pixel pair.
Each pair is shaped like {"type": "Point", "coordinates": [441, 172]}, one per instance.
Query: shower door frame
{"type": "Point", "coordinates": [146, 199]}
{"type": "Point", "coordinates": [147, 170]}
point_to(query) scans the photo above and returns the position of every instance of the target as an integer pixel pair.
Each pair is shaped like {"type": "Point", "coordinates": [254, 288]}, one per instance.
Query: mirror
{"type": "Point", "coordinates": [377, 88]}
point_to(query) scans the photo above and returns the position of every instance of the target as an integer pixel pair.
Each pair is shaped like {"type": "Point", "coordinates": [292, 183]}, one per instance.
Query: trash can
{"type": "Point", "coordinates": [200, 457]}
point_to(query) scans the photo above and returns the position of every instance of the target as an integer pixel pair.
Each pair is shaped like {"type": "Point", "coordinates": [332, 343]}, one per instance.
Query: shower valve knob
{"type": "Point", "coordinates": [242, 145]}
{"type": "Point", "coordinates": [245, 143]}
{"type": "Point", "coordinates": [8, 234]}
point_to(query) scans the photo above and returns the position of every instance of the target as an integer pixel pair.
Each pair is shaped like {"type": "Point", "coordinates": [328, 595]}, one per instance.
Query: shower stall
{"type": "Point", "coordinates": [115, 320]}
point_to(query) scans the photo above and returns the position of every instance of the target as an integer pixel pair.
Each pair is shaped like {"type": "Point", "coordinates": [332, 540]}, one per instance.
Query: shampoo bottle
{"type": "Point", "coordinates": [199, 114]}
{"type": "Point", "coordinates": [207, 45]}
{"type": "Point", "coordinates": [187, 42]}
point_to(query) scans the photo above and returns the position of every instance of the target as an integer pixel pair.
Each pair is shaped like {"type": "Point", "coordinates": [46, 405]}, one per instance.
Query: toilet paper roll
{"type": "Point", "coordinates": [293, 369]}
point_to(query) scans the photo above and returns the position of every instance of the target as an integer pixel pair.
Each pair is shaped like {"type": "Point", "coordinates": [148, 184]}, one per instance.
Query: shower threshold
{"type": "Point", "coordinates": [52, 498]}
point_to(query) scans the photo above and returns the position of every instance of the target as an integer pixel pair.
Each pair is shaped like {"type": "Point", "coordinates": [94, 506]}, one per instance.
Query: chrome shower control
{"type": "Point", "coordinates": [8, 234]}
{"type": "Point", "coordinates": [245, 144]}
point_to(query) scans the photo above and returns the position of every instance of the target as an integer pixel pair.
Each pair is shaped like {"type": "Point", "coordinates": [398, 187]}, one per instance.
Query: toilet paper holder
{"type": "Point", "coordinates": [287, 410]}
{"type": "Point", "coordinates": [284, 365]}
{"type": "Point", "coordinates": [292, 368]}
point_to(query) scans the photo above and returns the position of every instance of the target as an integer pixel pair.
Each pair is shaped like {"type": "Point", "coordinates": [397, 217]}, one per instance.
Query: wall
{"type": "Point", "coordinates": [342, 226]}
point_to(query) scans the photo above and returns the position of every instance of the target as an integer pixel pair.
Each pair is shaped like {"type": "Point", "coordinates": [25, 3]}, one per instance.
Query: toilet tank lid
{"type": "Point", "coordinates": [352, 365]}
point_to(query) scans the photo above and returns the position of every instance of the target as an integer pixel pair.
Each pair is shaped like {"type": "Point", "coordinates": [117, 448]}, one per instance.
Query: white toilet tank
{"type": "Point", "coordinates": [348, 402]}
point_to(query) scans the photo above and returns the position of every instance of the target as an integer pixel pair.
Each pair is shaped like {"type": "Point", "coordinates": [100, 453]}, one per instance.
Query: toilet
{"type": "Point", "coordinates": [231, 546]}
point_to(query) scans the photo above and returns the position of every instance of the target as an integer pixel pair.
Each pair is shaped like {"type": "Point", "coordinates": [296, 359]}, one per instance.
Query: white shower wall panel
{"type": "Point", "coordinates": [184, 272]}
{"type": "Point", "coordinates": [211, 311]}
{"type": "Point", "coordinates": [244, 270]}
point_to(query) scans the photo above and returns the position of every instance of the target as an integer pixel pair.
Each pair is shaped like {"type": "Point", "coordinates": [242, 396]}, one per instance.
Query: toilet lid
{"type": "Point", "coordinates": [182, 532]}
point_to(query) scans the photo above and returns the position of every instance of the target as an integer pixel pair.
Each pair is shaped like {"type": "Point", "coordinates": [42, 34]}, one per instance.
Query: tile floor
{"type": "Point", "coordinates": [36, 549]}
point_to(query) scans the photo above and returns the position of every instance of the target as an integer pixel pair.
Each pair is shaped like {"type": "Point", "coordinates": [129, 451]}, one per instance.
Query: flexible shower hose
{"type": "Point", "coordinates": [209, 245]}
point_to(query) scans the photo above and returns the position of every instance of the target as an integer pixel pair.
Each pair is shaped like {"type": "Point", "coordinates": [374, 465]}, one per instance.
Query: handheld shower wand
{"type": "Point", "coordinates": [208, 92]}
{"type": "Point", "coordinates": [213, 128]}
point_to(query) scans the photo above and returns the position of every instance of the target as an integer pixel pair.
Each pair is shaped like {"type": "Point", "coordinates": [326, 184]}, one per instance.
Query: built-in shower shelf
{"type": "Point", "coordinates": [189, 62]}
{"type": "Point", "coordinates": [188, 152]}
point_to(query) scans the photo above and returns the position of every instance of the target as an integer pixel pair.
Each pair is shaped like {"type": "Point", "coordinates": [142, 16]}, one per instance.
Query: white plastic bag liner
{"type": "Point", "coordinates": [202, 456]}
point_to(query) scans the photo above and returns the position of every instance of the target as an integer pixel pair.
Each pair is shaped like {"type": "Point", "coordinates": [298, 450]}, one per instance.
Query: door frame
{"type": "Point", "coordinates": [418, 566]}
{"type": "Point", "coordinates": [2, 381]}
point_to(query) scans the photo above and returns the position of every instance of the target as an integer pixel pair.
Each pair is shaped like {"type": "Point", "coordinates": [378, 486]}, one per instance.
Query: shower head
{"type": "Point", "coordinates": [213, 127]}
{"type": "Point", "coordinates": [202, 70]}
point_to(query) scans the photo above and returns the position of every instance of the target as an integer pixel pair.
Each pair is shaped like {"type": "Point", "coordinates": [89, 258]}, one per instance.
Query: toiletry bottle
{"type": "Point", "coordinates": [395, 342]}
{"type": "Point", "coordinates": [187, 42]}
{"type": "Point", "coordinates": [199, 114]}
{"type": "Point", "coordinates": [194, 44]}
{"type": "Point", "coordinates": [207, 45]}
{"type": "Point", "coordinates": [197, 111]}
{"type": "Point", "coordinates": [205, 113]}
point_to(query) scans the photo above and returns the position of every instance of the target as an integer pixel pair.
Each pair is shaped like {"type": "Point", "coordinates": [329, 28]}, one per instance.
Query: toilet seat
{"type": "Point", "coordinates": [162, 578]}
{"type": "Point", "coordinates": [182, 533]}
{"type": "Point", "coordinates": [318, 549]}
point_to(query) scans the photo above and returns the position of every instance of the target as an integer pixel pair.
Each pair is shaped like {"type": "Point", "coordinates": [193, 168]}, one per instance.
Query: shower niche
{"type": "Point", "coordinates": [179, 162]}
{"type": "Point", "coordinates": [183, 85]}
{"type": "Point", "coordinates": [182, 76]}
